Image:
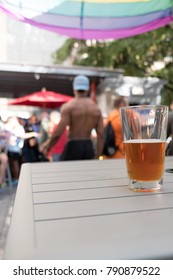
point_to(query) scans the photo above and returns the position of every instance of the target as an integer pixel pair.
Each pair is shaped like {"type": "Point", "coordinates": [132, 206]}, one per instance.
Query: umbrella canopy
{"type": "Point", "coordinates": [92, 19]}
{"type": "Point", "coordinates": [44, 99]}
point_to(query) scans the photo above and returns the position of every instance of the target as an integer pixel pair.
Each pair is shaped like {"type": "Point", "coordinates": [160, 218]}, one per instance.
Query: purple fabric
{"type": "Point", "coordinates": [96, 33]}
{"type": "Point", "coordinates": [104, 23]}
{"type": "Point", "coordinates": [100, 34]}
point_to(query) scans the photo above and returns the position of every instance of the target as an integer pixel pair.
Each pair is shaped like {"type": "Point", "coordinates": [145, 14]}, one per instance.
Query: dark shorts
{"type": "Point", "coordinates": [78, 150]}
{"type": "Point", "coordinates": [14, 156]}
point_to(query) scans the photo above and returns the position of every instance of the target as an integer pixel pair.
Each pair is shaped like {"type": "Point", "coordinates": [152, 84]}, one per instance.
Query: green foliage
{"type": "Point", "coordinates": [64, 52]}
{"type": "Point", "coordinates": [136, 55]}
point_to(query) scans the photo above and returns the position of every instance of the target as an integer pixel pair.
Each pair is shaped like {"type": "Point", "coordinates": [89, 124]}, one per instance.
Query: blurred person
{"type": "Point", "coordinates": [171, 106]}
{"type": "Point", "coordinates": [3, 167]}
{"type": "Point", "coordinates": [82, 115]}
{"type": "Point", "coordinates": [15, 145]}
{"type": "Point", "coordinates": [56, 151]}
{"type": "Point", "coordinates": [44, 122]}
{"type": "Point", "coordinates": [115, 119]}
{"type": "Point", "coordinates": [4, 136]}
{"type": "Point", "coordinates": [30, 150]}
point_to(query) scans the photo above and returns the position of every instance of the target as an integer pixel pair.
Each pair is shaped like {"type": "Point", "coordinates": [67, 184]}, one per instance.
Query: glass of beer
{"type": "Point", "coordinates": [144, 132]}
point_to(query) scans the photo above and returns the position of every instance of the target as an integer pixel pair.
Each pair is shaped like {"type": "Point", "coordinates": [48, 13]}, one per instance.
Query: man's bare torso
{"type": "Point", "coordinates": [82, 115]}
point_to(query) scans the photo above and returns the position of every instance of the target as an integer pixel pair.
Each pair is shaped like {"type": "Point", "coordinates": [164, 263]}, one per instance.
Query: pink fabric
{"type": "Point", "coordinates": [109, 34]}
{"type": "Point", "coordinates": [58, 148]}
{"type": "Point", "coordinates": [96, 34]}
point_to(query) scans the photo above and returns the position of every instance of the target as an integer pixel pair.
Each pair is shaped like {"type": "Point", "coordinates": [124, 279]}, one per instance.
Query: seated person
{"type": "Point", "coordinates": [3, 157]}
{"type": "Point", "coordinates": [3, 167]}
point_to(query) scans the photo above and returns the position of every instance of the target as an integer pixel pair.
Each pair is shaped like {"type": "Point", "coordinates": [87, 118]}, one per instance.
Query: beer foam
{"type": "Point", "coordinates": [140, 141]}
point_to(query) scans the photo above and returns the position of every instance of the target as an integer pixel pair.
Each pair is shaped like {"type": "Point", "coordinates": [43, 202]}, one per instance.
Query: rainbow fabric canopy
{"type": "Point", "coordinates": [92, 19]}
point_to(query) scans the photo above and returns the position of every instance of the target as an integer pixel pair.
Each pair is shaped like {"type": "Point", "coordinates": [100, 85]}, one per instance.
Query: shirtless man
{"type": "Point", "coordinates": [81, 115]}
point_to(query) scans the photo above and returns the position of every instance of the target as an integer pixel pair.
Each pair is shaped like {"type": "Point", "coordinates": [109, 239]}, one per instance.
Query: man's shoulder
{"type": "Point", "coordinates": [67, 106]}
{"type": "Point", "coordinates": [113, 114]}
{"type": "Point", "coordinates": [93, 103]}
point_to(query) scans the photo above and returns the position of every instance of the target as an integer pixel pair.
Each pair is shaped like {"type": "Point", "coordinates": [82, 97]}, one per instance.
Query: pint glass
{"type": "Point", "coordinates": [144, 133]}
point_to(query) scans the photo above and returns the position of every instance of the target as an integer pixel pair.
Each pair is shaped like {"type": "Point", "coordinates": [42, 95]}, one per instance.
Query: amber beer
{"type": "Point", "coordinates": [145, 159]}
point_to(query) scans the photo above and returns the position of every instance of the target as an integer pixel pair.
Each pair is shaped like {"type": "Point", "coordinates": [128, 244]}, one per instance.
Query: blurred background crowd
{"type": "Point", "coordinates": [20, 140]}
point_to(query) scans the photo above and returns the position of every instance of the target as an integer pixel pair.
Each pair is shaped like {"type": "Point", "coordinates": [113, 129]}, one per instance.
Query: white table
{"type": "Point", "coordinates": [85, 210]}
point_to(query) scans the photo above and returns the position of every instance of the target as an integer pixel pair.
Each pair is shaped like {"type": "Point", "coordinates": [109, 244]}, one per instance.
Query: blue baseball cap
{"type": "Point", "coordinates": [81, 83]}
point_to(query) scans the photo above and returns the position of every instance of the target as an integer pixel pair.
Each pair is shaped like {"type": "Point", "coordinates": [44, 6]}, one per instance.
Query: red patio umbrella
{"type": "Point", "coordinates": [43, 98]}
